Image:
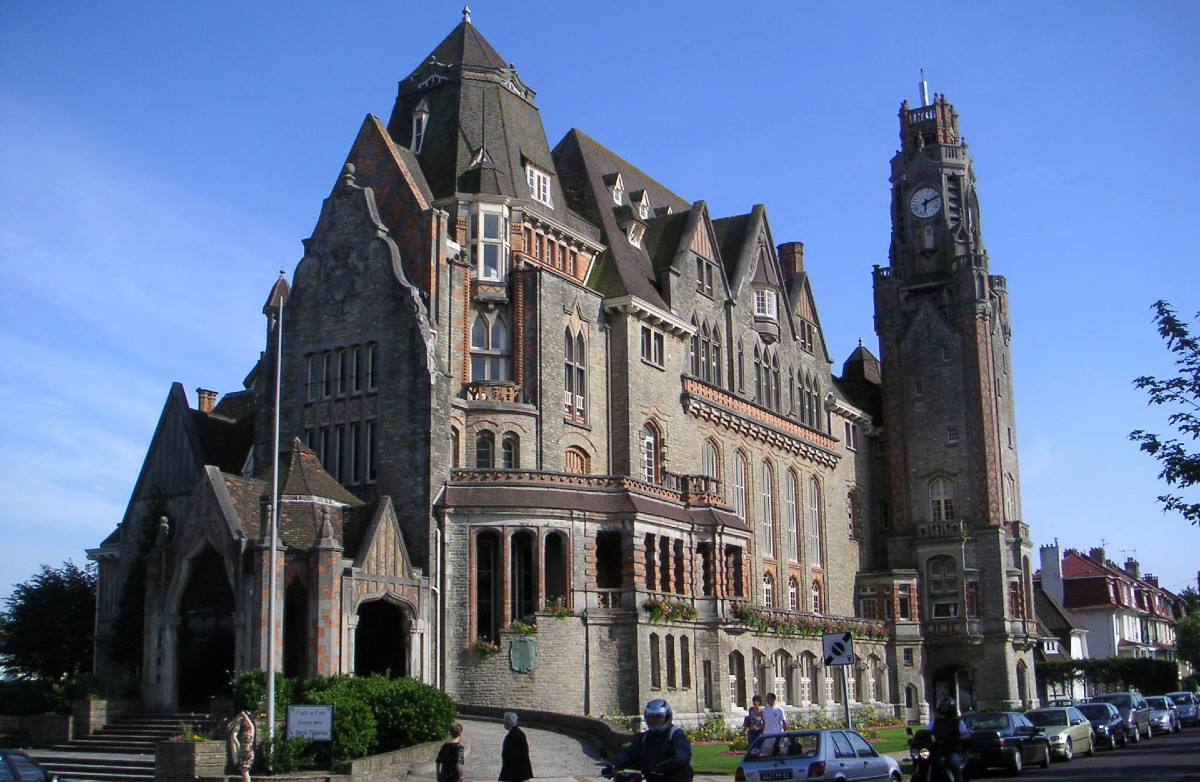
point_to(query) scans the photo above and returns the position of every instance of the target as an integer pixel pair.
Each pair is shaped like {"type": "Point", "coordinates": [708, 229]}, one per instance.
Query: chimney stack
{"type": "Point", "coordinates": [791, 260]}
{"type": "Point", "coordinates": [1150, 579]}
{"type": "Point", "coordinates": [205, 400]}
{"type": "Point", "coordinates": [1097, 554]}
{"type": "Point", "coordinates": [1132, 567]}
{"type": "Point", "coordinates": [1052, 580]}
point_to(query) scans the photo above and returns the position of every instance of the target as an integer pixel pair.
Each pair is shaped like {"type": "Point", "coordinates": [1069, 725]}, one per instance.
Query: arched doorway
{"type": "Point", "coordinates": [381, 639]}
{"type": "Point", "coordinates": [956, 682]}
{"type": "Point", "coordinates": [206, 640]}
{"type": "Point", "coordinates": [295, 631]}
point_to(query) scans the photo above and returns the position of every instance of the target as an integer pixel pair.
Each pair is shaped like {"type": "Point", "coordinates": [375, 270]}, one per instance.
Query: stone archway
{"type": "Point", "coordinates": [956, 682]}
{"type": "Point", "coordinates": [206, 633]}
{"type": "Point", "coordinates": [381, 639]}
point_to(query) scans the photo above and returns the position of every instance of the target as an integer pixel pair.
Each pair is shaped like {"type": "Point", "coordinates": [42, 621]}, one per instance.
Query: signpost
{"type": "Point", "coordinates": [839, 650]}
{"type": "Point", "coordinates": [315, 723]}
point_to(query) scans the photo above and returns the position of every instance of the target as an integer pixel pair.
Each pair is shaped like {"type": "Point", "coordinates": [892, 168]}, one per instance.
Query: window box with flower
{"type": "Point", "coordinates": [662, 610]}
{"type": "Point", "coordinates": [483, 648]}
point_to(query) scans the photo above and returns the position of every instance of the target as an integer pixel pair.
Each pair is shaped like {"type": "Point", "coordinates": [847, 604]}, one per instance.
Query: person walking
{"type": "Point", "coordinates": [514, 752]}
{"type": "Point", "coordinates": [451, 758]}
{"type": "Point", "coordinates": [753, 724]}
{"type": "Point", "coordinates": [773, 719]}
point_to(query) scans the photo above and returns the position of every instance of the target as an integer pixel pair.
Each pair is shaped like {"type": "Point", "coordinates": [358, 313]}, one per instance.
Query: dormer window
{"type": "Point", "coordinates": [420, 121]}
{"type": "Point", "coordinates": [766, 304]}
{"type": "Point", "coordinates": [641, 202]}
{"type": "Point", "coordinates": [634, 232]}
{"type": "Point", "coordinates": [618, 191]}
{"type": "Point", "coordinates": [539, 184]}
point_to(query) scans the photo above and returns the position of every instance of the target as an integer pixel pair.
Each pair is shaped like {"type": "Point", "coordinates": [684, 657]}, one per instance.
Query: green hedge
{"type": "Point", "coordinates": [372, 714]}
{"type": "Point", "coordinates": [1112, 673]}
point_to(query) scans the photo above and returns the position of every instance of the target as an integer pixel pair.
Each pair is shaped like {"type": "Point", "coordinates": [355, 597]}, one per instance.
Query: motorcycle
{"type": "Point", "coordinates": [928, 764]}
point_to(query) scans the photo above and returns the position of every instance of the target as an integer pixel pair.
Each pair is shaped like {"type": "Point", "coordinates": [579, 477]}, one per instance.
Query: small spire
{"type": "Point", "coordinates": [466, 15]}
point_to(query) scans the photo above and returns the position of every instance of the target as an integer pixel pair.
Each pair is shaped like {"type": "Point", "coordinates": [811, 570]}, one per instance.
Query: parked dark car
{"type": "Point", "coordinates": [1188, 705]}
{"type": "Point", "coordinates": [1134, 710]}
{"type": "Point", "coordinates": [1107, 724]}
{"type": "Point", "coordinates": [15, 764]}
{"type": "Point", "coordinates": [1007, 739]}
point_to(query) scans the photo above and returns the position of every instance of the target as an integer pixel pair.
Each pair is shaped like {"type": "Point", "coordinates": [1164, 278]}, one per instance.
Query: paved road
{"type": "Point", "coordinates": [555, 756]}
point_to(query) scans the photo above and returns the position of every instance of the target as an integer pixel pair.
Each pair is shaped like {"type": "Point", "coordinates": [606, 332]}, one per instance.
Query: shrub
{"type": "Point", "coordinates": [354, 732]}
{"type": "Point", "coordinates": [408, 712]}
{"type": "Point", "coordinates": [250, 692]}
{"type": "Point", "coordinates": [713, 730]}
{"type": "Point", "coordinates": [21, 698]}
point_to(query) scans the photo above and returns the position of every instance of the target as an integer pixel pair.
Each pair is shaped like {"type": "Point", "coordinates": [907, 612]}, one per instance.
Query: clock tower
{"type": "Point", "coordinates": [952, 483]}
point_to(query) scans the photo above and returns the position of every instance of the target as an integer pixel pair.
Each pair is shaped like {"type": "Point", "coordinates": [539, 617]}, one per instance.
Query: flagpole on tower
{"type": "Point", "coordinates": [272, 603]}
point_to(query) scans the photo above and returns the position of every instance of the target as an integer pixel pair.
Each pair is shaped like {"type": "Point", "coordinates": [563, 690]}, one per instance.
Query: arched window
{"type": "Point", "coordinates": [575, 461]}
{"type": "Point", "coordinates": [942, 583]}
{"type": "Point", "coordinates": [815, 543]}
{"type": "Point", "coordinates": [489, 347]}
{"type": "Point", "coordinates": [670, 657]}
{"type": "Point", "coordinates": [685, 662]}
{"type": "Point", "coordinates": [523, 577]}
{"type": "Point", "coordinates": [740, 500]}
{"type": "Point", "coordinates": [510, 452]}
{"type": "Point", "coordinates": [766, 505]}
{"type": "Point", "coordinates": [455, 445]}
{"type": "Point", "coordinates": [487, 586]}
{"type": "Point", "coordinates": [816, 597]}
{"type": "Point", "coordinates": [485, 450]}
{"type": "Point", "coordinates": [768, 590]}
{"type": "Point", "coordinates": [791, 512]}
{"type": "Point", "coordinates": [710, 460]}
{"type": "Point", "coordinates": [574, 377]}
{"type": "Point", "coordinates": [793, 594]}
{"type": "Point", "coordinates": [555, 563]}
{"type": "Point", "coordinates": [941, 500]}
{"type": "Point", "coordinates": [651, 453]}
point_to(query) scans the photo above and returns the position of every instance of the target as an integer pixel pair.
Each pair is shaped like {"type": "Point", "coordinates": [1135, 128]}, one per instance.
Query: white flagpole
{"type": "Point", "coordinates": [272, 607]}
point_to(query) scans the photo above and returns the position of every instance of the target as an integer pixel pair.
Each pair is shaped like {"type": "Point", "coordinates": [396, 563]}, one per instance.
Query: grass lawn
{"type": "Point", "coordinates": [707, 758]}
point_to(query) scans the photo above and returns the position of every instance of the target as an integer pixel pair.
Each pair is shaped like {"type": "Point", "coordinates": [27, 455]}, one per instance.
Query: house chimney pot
{"type": "Point", "coordinates": [1132, 567]}
{"type": "Point", "coordinates": [1097, 554]}
{"type": "Point", "coordinates": [205, 400]}
{"type": "Point", "coordinates": [791, 260]}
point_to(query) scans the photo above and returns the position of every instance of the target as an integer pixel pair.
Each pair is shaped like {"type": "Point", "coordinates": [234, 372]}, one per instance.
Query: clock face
{"type": "Point", "coordinates": [926, 202]}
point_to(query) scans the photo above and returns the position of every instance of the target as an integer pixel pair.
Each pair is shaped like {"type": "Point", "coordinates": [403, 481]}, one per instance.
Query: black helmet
{"type": "Point", "coordinates": [657, 715]}
{"type": "Point", "coordinates": [947, 707]}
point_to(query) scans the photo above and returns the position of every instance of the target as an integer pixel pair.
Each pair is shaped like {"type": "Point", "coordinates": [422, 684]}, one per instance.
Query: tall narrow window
{"type": "Point", "coordinates": [489, 347]}
{"type": "Point", "coordinates": [488, 237]}
{"type": "Point", "coordinates": [524, 575]}
{"type": "Point", "coordinates": [768, 590]}
{"type": "Point", "coordinates": [791, 510]}
{"type": "Point", "coordinates": [710, 460]}
{"type": "Point", "coordinates": [539, 184]}
{"type": "Point", "coordinates": [485, 449]}
{"type": "Point", "coordinates": [685, 663]}
{"type": "Point", "coordinates": [575, 461]}
{"type": "Point", "coordinates": [670, 658]}
{"type": "Point", "coordinates": [793, 594]}
{"type": "Point", "coordinates": [740, 502]}
{"type": "Point", "coordinates": [650, 453]}
{"type": "Point", "coordinates": [487, 586]}
{"type": "Point", "coordinates": [420, 120]}
{"type": "Point", "coordinates": [941, 579]}
{"type": "Point", "coordinates": [574, 377]}
{"type": "Point", "coordinates": [510, 452]}
{"type": "Point", "coordinates": [650, 549]}
{"type": "Point", "coordinates": [766, 505]}
{"type": "Point", "coordinates": [815, 555]}
{"type": "Point", "coordinates": [655, 662]}
{"type": "Point", "coordinates": [817, 602]}
{"type": "Point", "coordinates": [941, 500]}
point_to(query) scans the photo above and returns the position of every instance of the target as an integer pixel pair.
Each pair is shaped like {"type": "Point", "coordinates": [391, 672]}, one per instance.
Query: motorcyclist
{"type": "Point", "coordinates": [950, 735]}
{"type": "Point", "coordinates": [661, 752]}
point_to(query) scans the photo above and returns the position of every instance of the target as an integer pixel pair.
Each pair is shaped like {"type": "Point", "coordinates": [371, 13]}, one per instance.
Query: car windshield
{"type": "Point", "coordinates": [1181, 699]}
{"type": "Point", "coordinates": [1157, 702]}
{"type": "Point", "coordinates": [1095, 711]}
{"type": "Point", "coordinates": [1120, 701]}
{"type": "Point", "coordinates": [1047, 718]}
{"type": "Point", "coordinates": [986, 721]}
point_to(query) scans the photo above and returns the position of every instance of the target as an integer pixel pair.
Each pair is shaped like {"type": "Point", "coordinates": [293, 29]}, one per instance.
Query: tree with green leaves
{"type": "Point", "coordinates": [48, 625]}
{"type": "Point", "coordinates": [1181, 394]}
{"type": "Point", "coordinates": [1187, 640]}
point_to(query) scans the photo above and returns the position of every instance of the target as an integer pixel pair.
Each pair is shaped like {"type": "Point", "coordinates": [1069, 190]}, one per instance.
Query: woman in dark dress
{"type": "Point", "coordinates": [450, 760]}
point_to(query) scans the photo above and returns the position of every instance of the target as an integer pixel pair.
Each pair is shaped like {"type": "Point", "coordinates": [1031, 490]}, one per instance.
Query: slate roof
{"type": "Point", "coordinates": [585, 170]}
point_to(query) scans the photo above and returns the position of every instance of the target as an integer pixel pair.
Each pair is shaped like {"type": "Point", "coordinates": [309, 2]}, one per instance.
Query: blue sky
{"type": "Point", "coordinates": [161, 162]}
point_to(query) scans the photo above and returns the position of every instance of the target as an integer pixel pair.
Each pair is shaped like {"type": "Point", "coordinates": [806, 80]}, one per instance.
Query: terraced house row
{"type": "Point", "coordinates": [552, 433]}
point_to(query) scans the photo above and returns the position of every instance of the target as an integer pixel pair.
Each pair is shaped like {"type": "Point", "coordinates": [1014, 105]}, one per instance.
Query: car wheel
{"type": "Point", "coordinates": [1068, 751]}
{"type": "Point", "coordinates": [1149, 732]}
{"type": "Point", "coordinates": [1091, 751]}
{"type": "Point", "coordinates": [1016, 763]}
{"type": "Point", "coordinates": [1112, 741]}
{"type": "Point", "coordinates": [1137, 734]}
{"type": "Point", "coordinates": [1045, 757]}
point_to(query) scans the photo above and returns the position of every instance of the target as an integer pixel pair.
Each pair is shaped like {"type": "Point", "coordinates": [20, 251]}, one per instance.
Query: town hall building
{"type": "Point", "coordinates": [550, 433]}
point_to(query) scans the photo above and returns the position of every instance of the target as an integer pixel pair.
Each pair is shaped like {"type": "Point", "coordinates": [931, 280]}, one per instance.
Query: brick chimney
{"type": "Point", "coordinates": [205, 400]}
{"type": "Point", "coordinates": [1132, 567]}
{"type": "Point", "coordinates": [1151, 579]}
{"type": "Point", "coordinates": [791, 261]}
{"type": "Point", "coordinates": [1097, 554]}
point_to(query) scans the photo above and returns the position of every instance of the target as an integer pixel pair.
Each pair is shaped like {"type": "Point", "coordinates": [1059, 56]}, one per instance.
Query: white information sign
{"type": "Point", "coordinates": [839, 648]}
{"type": "Point", "coordinates": [313, 722]}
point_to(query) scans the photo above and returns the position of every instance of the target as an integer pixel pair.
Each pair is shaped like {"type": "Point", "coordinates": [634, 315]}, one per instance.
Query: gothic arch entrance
{"type": "Point", "coordinates": [206, 637]}
{"type": "Point", "coordinates": [956, 682]}
{"type": "Point", "coordinates": [381, 639]}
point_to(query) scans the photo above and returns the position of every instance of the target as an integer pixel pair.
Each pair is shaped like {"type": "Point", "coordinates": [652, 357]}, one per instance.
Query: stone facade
{"type": "Point", "coordinates": [530, 385]}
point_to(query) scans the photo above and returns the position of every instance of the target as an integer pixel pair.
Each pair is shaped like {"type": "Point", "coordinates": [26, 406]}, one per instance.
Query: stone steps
{"type": "Point", "coordinates": [121, 751]}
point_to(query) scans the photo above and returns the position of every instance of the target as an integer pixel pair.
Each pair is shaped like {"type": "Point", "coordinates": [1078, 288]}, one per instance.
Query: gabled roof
{"type": "Point", "coordinates": [1051, 614]}
{"type": "Point", "coordinates": [586, 170]}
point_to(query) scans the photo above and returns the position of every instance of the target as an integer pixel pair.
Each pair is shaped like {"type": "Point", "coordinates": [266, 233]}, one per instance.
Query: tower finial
{"type": "Point", "coordinates": [924, 87]}
{"type": "Point", "coordinates": [466, 14]}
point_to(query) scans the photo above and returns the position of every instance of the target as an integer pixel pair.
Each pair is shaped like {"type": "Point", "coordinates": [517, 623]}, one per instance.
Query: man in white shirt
{"type": "Point", "coordinates": [773, 719]}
